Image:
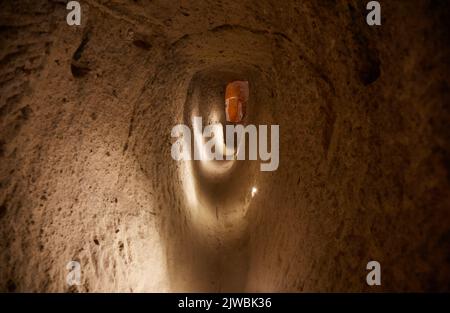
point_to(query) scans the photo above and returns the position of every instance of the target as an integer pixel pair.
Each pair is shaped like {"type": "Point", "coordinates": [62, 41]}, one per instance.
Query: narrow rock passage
{"type": "Point", "coordinates": [86, 172]}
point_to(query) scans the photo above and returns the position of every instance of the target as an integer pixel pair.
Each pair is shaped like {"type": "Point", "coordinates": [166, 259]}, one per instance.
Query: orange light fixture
{"type": "Point", "coordinates": [236, 97]}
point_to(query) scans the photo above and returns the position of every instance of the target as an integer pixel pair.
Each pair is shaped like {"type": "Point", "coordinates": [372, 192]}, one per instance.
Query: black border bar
{"type": "Point", "coordinates": [271, 302]}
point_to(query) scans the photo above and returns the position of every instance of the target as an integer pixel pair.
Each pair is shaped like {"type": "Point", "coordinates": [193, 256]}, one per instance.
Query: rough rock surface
{"type": "Point", "coordinates": [86, 172]}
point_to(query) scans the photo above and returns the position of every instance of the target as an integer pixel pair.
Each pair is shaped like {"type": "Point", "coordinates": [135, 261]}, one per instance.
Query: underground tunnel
{"type": "Point", "coordinates": [87, 175]}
